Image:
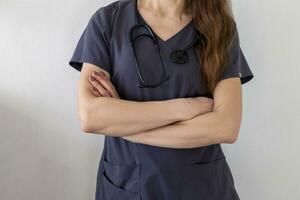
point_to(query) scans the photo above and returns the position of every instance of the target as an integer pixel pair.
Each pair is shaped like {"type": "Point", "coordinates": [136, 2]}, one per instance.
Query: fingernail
{"type": "Point", "coordinates": [92, 78]}
{"type": "Point", "coordinates": [96, 73]}
{"type": "Point", "coordinates": [102, 74]}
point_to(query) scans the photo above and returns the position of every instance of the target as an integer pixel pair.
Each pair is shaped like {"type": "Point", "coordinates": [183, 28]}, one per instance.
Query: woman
{"type": "Point", "coordinates": [161, 79]}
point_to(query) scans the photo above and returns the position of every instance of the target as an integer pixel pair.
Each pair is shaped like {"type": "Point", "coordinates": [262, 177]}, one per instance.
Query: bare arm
{"type": "Point", "coordinates": [219, 126]}
{"type": "Point", "coordinates": [118, 117]}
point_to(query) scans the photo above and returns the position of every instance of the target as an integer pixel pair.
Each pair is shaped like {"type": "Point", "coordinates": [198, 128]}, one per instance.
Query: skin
{"type": "Point", "coordinates": [169, 14]}
{"type": "Point", "coordinates": [182, 122]}
{"type": "Point", "coordinates": [113, 116]}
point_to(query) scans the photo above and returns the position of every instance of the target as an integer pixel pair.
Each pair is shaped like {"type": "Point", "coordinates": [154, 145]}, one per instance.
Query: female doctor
{"type": "Point", "coordinates": [161, 79]}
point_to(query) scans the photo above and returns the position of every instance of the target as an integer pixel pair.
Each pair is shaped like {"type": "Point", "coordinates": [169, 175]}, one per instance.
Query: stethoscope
{"type": "Point", "coordinates": [178, 56]}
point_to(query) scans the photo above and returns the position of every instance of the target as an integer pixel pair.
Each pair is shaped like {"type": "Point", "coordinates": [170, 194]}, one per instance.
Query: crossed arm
{"type": "Point", "coordinates": [175, 123]}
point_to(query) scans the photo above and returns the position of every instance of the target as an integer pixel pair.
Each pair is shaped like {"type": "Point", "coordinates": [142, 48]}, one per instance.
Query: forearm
{"type": "Point", "coordinates": [205, 129]}
{"type": "Point", "coordinates": [118, 117]}
{"type": "Point", "coordinates": [105, 113]}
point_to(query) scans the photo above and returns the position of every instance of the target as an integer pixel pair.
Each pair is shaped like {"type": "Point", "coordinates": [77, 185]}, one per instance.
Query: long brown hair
{"type": "Point", "coordinates": [215, 23]}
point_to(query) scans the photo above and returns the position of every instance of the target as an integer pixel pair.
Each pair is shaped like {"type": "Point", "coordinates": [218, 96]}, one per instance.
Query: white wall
{"type": "Point", "coordinates": [43, 153]}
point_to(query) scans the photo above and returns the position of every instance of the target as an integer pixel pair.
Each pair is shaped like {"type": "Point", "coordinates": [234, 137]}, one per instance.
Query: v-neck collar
{"type": "Point", "coordinates": [140, 19]}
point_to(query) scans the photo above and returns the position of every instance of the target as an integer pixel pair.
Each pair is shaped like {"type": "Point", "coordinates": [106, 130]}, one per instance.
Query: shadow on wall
{"type": "Point", "coordinates": [42, 157]}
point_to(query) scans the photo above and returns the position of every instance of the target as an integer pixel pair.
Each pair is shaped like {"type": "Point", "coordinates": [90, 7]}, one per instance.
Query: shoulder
{"type": "Point", "coordinates": [105, 16]}
{"type": "Point", "coordinates": [109, 11]}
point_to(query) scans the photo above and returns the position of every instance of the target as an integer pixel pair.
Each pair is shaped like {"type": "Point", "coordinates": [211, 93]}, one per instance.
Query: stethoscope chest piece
{"type": "Point", "coordinates": [179, 56]}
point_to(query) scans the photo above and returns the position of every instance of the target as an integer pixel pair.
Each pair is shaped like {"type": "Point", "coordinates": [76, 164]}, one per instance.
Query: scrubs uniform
{"type": "Point", "coordinates": [133, 171]}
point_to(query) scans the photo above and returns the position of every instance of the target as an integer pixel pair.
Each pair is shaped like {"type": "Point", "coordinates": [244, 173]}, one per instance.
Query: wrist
{"type": "Point", "coordinates": [179, 109]}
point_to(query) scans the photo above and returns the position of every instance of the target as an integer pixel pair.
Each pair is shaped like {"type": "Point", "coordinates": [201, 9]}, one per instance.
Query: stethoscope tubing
{"type": "Point", "coordinates": [165, 76]}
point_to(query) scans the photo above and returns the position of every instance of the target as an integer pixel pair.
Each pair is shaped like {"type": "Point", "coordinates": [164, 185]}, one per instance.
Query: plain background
{"type": "Point", "coordinates": [43, 153]}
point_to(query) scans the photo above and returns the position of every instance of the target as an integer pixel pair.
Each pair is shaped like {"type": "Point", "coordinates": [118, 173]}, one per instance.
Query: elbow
{"type": "Point", "coordinates": [93, 121]}
{"type": "Point", "coordinates": [85, 128]}
{"type": "Point", "coordinates": [231, 133]}
{"type": "Point", "coordinates": [85, 124]}
{"type": "Point", "coordinates": [231, 136]}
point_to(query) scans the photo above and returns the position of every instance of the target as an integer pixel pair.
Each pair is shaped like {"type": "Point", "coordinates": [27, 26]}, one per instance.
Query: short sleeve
{"type": "Point", "coordinates": [93, 45]}
{"type": "Point", "coordinates": [238, 65]}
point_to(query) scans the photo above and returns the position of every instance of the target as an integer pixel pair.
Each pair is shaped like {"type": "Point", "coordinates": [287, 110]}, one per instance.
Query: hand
{"type": "Point", "coordinates": [102, 86]}
{"type": "Point", "coordinates": [197, 105]}
{"type": "Point", "coordinates": [203, 99]}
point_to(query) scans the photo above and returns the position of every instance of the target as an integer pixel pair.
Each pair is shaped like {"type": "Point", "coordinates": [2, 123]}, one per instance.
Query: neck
{"type": "Point", "coordinates": [164, 8]}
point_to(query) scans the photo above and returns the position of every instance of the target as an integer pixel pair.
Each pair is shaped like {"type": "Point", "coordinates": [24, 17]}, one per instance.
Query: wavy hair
{"type": "Point", "coordinates": [215, 23]}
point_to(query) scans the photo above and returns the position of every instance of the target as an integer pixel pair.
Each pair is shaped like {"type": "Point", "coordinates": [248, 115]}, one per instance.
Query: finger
{"type": "Point", "coordinates": [99, 87]}
{"type": "Point", "coordinates": [106, 83]}
{"type": "Point", "coordinates": [95, 91]}
{"type": "Point", "coordinates": [112, 88]}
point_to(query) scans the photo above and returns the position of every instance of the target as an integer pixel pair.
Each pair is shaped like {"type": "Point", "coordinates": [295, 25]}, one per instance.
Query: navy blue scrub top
{"type": "Point", "coordinates": [136, 171]}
